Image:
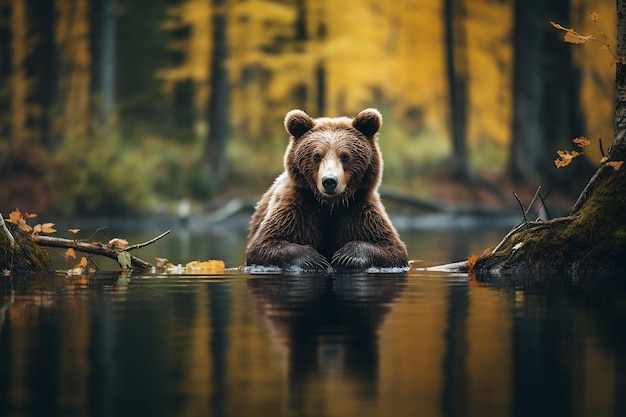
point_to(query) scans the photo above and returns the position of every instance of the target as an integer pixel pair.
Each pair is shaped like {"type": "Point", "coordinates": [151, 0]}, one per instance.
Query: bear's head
{"type": "Point", "coordinates": [334, 157]}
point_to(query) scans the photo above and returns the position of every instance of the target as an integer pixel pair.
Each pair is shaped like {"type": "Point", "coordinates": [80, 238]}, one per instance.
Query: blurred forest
{"type": "Point", "coordinates": [127, 106]}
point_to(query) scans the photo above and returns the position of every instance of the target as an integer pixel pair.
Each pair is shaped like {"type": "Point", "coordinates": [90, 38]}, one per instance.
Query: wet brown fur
{"type": "Point", "coordinates": [298, 225]}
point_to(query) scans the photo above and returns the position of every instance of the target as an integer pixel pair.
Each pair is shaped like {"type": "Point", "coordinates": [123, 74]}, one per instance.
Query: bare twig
{"type": "Point", "coordinates": [95, 248]}
{"type": "Point", "coordinates": [141, 245]}
{"type": "Point", "coordinates": [4, 227]}
{"type": "Point", "coordinates": [601, 147]}
{"type": "Point", "coordinates": [523, 209]}
{"type": "Point", "coordinates": [531, 201]}
{"type": "Point", "coordinates": [99, 229]}
{"type": "Point", "coordinates": [543, 204]}
{"type": "Point", "coordinates": [591, 185]}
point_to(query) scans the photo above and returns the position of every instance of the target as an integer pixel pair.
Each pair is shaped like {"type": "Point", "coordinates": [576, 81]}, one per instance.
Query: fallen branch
{"type": "Point", "coordinates": [98, 248]}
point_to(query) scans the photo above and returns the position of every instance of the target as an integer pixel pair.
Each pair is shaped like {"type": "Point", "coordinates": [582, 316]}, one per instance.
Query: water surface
{"type": "Point", "coordinates": [420, 343]}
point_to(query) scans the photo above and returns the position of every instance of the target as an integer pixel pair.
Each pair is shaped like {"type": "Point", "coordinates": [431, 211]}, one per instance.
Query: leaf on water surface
{"type": "Point", "coordinates": [211, 267]}
{"type": "Point", "coordinates": [79, 268]}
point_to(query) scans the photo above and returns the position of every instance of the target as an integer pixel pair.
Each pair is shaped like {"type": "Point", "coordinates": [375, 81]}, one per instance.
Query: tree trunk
{"type": "Point", "coordinates": [456, 59]}
{"type": "Point", "coordinates": [103, 34]}
{"type": "Point", "coordinates": [219, 101]}
{"type": "Point", "coordinates": [546, 98]}
{"type": "Point", "coordinates": [562, 115]}
{"type": "Point", "coordinates": [5, 76]}
{"type": "Point", "coordinates": [19, 254]}
{"type": "Point", "coordinates": [593, 238]}
{"type": "Point", "coordinates": [526, 144]}
{"type": "Point", "coordinates": [42, 69]}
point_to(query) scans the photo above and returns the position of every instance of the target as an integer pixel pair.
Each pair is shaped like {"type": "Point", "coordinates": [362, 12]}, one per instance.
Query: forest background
{"type": "Point", "coordinates": [119, 107]}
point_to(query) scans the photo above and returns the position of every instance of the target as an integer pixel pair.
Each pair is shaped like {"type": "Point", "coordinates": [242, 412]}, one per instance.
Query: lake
{"type": "Point", "coordinates": [421, 343]}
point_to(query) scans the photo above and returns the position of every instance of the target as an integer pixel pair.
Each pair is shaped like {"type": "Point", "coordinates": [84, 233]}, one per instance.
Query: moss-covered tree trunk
{"type": "Point", "coordinates": [593, 238]}
{"type": "Point", "coordinates": [19, 254]}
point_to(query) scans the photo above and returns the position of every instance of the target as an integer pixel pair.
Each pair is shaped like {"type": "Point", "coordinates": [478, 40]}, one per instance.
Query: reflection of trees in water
{"type": "Point", "coordinates": [328, 326]}
{"type": "Point", "coordinates": [569, 344]}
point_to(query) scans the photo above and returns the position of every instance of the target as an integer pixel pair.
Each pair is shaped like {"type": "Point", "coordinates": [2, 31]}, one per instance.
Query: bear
{"type": "Point", "coordinates": [324, 213]}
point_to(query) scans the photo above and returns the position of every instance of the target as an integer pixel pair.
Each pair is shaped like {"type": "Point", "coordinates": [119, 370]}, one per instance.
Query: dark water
{"type": "Point", "coordinates": [427, 344]}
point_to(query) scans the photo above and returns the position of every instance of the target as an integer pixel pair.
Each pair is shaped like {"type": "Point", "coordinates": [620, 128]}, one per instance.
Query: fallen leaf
{"type": "Point", "coordinates": [48, 228]}
{"type": "Point", "coordinates": [82, 264]}
{"type": "Point", "coordinates": [73, 230]}
{"type": "Point", "coordinates": [15, 216]}
{"type": "Point", "coordinates": [604, 159]}
{"type": "Point", "coordinates": [118, 243]}
{"type": "Point", "coordinates": [595, 16]}
{"type": "Point", "coordinates": [29, 215]}
{"type": "Point", "coordinates": [211, 267]}
{"type": "Point", "coordinates": [21, 223]}
{"type": "Point", "coordinates": [471, 261]}
{"type": "Point", "coordinates": [70, 253]}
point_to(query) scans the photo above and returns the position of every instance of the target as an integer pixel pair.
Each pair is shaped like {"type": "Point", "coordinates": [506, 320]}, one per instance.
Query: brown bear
{"type": "Point", "coordinates": [323, 213]}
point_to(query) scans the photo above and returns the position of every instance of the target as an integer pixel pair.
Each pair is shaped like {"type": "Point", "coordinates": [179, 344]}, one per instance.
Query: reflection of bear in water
{"type": "Point", "coordinates": [324, 209]}
{"type": "Point", "coordinates": [328, 325]}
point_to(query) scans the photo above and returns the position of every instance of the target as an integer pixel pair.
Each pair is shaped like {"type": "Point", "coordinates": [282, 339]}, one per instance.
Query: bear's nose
{"type": "Point", "coordinates": [329, 183]}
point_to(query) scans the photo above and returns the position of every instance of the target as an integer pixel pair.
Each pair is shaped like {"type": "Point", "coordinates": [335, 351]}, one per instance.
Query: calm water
{"type": "Point", "coordinates": [427, 344]}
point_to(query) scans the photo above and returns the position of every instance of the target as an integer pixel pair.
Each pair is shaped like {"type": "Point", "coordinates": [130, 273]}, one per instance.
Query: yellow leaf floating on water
{"type": "Point", "coordinates": [211, 267]}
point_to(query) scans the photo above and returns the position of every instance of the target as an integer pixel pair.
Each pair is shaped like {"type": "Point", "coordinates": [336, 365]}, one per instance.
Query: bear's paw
{"type": "Point", "coordinates": [305, 258]}
{"type": "Point", "coordinates": [353, 256]}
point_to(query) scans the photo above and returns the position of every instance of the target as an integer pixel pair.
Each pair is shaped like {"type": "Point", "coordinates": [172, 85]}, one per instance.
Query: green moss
{"type": "Point", "coordinates": [595, 238]}
{"type": "Point", "coordinates": [26, 257]}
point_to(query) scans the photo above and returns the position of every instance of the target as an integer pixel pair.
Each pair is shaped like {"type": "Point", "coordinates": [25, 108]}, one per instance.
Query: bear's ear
{"type": "Point", "coordinates": [368, 122]}
{"type": "Point", "coordinates": [298, 123]}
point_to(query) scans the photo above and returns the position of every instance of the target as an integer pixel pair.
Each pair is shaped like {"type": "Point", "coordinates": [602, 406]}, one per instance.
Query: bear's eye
{"type": "Point", "coordinates": [317, 157]}
{"type": "Point", "coordinates": [344, 157]}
